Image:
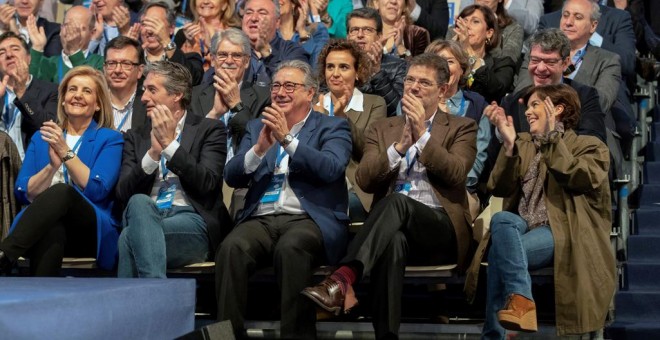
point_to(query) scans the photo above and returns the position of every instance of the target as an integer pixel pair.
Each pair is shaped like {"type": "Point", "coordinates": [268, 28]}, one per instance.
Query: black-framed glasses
{"type": "Point", "coordinates": [289, 87]}
{"type": "Point", "coordinates": [365, 30]}
{"type": "Point", "coordinates": [125, 64]}
{"type": "Point", "coordinates": [547, 61]}
{"type": "Point", "coordinates": [222, 56]}
{"type": "Point", "coordinates": [410, 81]}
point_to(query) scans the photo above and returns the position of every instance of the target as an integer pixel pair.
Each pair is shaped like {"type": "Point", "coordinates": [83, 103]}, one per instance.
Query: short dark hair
{"type": "Point", "coordinates": [177, 79]}
{"type": "Point", "coordinates": [362, 63]}
{"type": "Point", "coordinates": [171, 16]}
{"type": "Point", "coordinates": [366, 13]}
{"type": "Point", "coordinates": [121, 42]}
{"type": "Point", "coordinates": [491, 22]}
{"type": "Point", "coordinates": [10, 34]}
{"type": "Point", "coordinates": [560, 94]}
{"type": "Point", "coordinates": [435, 62]}
{"type": "Point", "coordinates": [551, 40]}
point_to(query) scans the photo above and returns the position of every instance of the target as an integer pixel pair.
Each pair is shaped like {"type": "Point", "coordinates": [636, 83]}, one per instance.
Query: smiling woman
{"type": "Point", "coordinates": [343, 65]}
{"type": "Point", "coordinates": [69, 172]}
{"type": "Point", "coordinates": [211, 16]}
{"type": "Point", "coordinates": [554, 183]}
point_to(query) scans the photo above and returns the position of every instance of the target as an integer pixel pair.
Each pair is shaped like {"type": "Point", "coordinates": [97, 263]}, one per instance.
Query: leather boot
{"type": "Point", "coordinates": [6, 264]}
{"type": "Point", "coordinates": [519, 314]}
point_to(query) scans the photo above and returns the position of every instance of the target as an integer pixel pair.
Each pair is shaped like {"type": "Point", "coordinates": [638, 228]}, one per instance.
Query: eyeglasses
{"type": "Point", "coordinates": [221, 56]}
{"type": "Point", "coordinates": [289, 87]}
{"type": "Point", "coordinates": [410, 81]}
{"type": "Point", "coordinates": [548, 61]}
{"type": "Point", "coordinates": [365, 30]}
{"type": "Point", "coordinates": [125, 64]}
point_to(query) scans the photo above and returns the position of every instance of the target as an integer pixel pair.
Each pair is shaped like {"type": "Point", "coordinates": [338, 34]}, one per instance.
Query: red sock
{"type": "Point", "coordinates": [345, 276]}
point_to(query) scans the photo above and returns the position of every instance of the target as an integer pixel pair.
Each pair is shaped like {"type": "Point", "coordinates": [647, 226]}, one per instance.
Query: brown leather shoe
{"type": "Point", "coordinates": [327, 295]}
{"type": "Point", "coordinates": [519, 314]}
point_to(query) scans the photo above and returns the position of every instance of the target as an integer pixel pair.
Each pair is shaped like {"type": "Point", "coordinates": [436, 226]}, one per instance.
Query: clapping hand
{"type": "Point", "coordinates": [414, 110]}
{"type": "Point", "coordinates": [504, 125]}
{"type": "Point", "coordinates": [37, 34]}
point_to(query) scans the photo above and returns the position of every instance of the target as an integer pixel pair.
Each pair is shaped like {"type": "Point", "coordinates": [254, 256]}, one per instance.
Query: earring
{"type": "Point", "coordinates": [487, 41]}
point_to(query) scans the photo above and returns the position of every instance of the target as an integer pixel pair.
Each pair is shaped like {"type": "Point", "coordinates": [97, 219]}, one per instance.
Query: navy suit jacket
{"type": "Point", "coordinates": [38, 105]}
{"type": "Point", "coordinates": [100, 150]}
{"type": "Point", "coordinates": [615, 26]}
{"type": "Point", "coordinates": [316, 175]}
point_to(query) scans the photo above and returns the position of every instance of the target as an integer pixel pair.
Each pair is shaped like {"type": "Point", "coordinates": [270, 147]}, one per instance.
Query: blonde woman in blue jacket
{"type": "Point", "coordinates": [66, 181]}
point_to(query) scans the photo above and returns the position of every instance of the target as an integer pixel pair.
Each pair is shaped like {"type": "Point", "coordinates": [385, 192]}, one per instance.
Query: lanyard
{"type": "Point", "coordinates": [163, 168]}
{"type": "Point", "coordinates": [410, 162]}
{"type": "Point", "coordinates": [460, 108]}
{"type": "Point", "coordinates": [123, 121]}
{"type": "Point", "coordinates": [281, 153]}
{"type": "Point", "coordinates": [201, 46]}
{"type": "Point", "coordinates": [332, 107]}
{"type": "Point", "coordinates": [10, 115]}
{"type": "Point", "coordinates": [75, 148]}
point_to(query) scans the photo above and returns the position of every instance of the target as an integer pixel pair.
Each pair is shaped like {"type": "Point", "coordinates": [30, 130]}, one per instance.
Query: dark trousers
{"type": "Point", "coordinates": [399, 230]}
{"type": "Point", "coordinates": [59, 221]}
{"type": "Point", "coordinates": [293, 244]}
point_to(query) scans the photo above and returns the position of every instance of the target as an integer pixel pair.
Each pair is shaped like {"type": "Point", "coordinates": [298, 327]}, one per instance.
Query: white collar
{"type": "Point", "coordinates": [356, 103]}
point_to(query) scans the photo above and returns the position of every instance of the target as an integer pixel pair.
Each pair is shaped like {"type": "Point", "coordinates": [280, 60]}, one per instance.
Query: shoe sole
{"type": "Point", "coordinates": [334, 310]}
{"type": "Point", "coordinates": [525, 324]}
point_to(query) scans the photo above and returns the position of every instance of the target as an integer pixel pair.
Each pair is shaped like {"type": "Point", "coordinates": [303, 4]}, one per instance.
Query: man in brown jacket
{"type": "Point", "coordinates": [416, 167]}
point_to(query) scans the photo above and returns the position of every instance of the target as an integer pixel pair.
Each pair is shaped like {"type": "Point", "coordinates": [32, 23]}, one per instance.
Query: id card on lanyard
{"type": "Point", "coordinates": [167, 191]}
{"type": "Point", "coordinates": [75, 148]}
{"type": "Point", "coordinates": [274, 189]}
{"type": "Point", "coordinates": [404, 186]}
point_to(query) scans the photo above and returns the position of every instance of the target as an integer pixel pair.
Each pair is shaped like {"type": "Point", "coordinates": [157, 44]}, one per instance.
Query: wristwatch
{"type": "Point", "coordinates": [287, 140]}
{"type": "Point", "coordinates": [170, 46]}
{"type": "Point", "coordinates": [405, 54]}
{"type": "Point", "coordinates": [237, 108]}
{"type": "Point", "coordinates": [69, 155]}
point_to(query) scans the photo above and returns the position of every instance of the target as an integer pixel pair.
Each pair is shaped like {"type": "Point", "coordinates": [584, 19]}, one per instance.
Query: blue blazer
{"type": "Point", "coordinates": [101, 151]}
{"type": "Point", "coordinates": [316, 174]}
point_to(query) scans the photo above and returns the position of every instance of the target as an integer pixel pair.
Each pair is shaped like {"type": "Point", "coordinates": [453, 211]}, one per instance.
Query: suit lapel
{"type": "Point", "coordinates": [189, 131]}
{"type": "Point", "coordinates": [206, 100]}
{"type": "Point", "coordinates": [439, 128]}
{"type": "Point", "coordinates": [307, 131]}
{"type": "Point", "coordinates": [586, 71]}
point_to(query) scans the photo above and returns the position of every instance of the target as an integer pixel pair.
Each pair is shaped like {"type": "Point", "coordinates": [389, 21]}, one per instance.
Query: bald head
{"type": "Point", "coordinates": [77, 18]}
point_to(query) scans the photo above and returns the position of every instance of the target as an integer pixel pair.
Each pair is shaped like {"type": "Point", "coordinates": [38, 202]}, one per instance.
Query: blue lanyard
{"type": "Point", "coordinates": [163, 168]}
{"type": "Point", "coordinates": [10, 115]}
{"type": "Point", "coordinates": [332, 107]}
{"type": "Point", "coordinates": [75, 148]}
{"type": "Point", "coordinates": [411, 163]}
{"type": "Point", "coordinates": [123, 121]}
{"type": "Point", "coordinates": [281, 153]}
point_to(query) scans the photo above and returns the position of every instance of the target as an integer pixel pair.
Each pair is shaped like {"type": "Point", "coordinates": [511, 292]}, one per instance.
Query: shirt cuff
{"type": "Point", "coordinates": [498, 135]}
{"type": "Point", "coordinates": [169, 151]}
{"type": "Point", "coordinates": [252, 161]}
{"type": "Point", "coordinates": [393, 156]}
{"type": "Point", "coordinates": [414, 15]}
{"type": "Point", "coordinates": [148, 164]}
{"type": "Point", "coordinates": [292, 147]}
{"type": "Point", "coordinates": [421, 142]}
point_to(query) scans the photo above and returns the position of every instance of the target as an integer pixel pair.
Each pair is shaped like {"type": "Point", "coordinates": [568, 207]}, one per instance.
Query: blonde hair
{"type": "Point", "coordinates": [227, 17]}
{"type": "Point", "coordinates": [103, 116]}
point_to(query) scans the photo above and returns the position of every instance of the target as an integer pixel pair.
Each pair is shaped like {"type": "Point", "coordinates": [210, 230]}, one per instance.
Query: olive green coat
{"type": "Point", "coordinates": [579, 209]}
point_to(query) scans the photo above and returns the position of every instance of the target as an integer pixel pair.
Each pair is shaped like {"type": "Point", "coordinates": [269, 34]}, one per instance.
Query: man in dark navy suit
{"type": "Point", "coordinates": [294, 162]}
